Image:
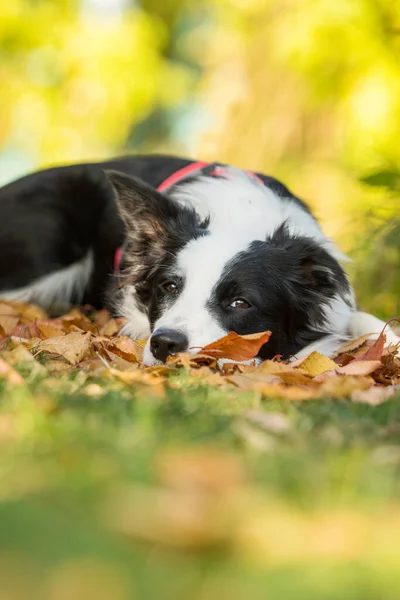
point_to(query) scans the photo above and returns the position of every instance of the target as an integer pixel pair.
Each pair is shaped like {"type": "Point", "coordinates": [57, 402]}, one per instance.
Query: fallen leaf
{"type": "Point", "coordinates": [359, 367]}
{"type": "Point", "coordinates": [126, 348]}
{"type": "Point", "coordinates": [376, 351]}
{"type": "Point", "coordinates": [351, 345]}
{"type": "Point", "coordinates": [315, 364]}
{"type": "Point", "coordinates": [73, 346]}
{"type": "Point", "coordinates": [109, 328]}
{"type": "Point", "coordinates": [237, 347]}
{"type": "Point", "coordinates": [50, 328]}
{"type": "Point", "coordinates": [77, 319]}
{"type": "Point", "coordinates": [9, 317]}
{"type": "Point", "coordinates": [30, 312]}
{"type": "Point", "coordinates": [188, 360]}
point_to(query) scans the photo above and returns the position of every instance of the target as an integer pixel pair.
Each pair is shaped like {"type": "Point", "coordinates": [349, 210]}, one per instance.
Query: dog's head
{"type": "Point", "coordinates": [219, 256]}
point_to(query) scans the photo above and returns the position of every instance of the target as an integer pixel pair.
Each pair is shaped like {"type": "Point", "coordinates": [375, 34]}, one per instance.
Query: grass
{"type": "Point", "coordinates": [120, 492]}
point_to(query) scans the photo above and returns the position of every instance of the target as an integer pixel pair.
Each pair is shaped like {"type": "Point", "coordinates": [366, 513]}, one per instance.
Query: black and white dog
{"type": "Point", "coordinates": [186, 250]}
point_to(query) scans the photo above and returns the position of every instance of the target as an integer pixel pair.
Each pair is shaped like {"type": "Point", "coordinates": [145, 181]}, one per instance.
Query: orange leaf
{"type": "Point", "coordinates": [376, 351]}
{"type": "Point", "coordinates": [237, 347]}
{"type": "Point", "coordinates": [125, 348]}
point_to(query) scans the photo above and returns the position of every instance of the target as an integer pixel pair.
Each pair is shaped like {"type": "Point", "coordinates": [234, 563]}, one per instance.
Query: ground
{"type": "Point", "coordinates": [122, 482]}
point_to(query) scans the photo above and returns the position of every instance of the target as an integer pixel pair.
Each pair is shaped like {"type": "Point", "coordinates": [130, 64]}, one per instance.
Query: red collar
{"type": "Point", "coordinates": [206, 168]}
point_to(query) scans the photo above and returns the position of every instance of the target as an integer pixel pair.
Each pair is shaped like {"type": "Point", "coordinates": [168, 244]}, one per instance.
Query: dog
{"type": "Point", "coordinates": [184, 250]}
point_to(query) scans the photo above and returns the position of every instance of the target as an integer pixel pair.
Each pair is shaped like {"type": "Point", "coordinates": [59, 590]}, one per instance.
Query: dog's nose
{"type": "Point", "coordinates": [165, 342]}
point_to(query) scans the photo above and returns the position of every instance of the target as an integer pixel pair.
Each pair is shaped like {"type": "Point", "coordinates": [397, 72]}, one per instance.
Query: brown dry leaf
{"type": "Point", "coordinates": [376, 351]}
{"type": "Point", "coordinates": [229, 368]}
{"type": "Point", "coordinates": [352, 345]}
{"type": "Point", "coordinates": [29, 312]}
{"type": "Point", "coordinates": [50, 328]}
{"type": "Point", "coordinates": [77, 319]}
{"type": "Point", "coordinates": [126, 348]}
{"type": "Point", "coordinates": [109, 328]}
{"type": "Point", "coordinates": [74, 347]}
{"type": "Point", "coordinates": [316, 364]}
{"type": "Point", "coordinates": [9, 317]}
{"type": "Point", "coordinates": [359, 367]}
{"type": "Point", "coordinates": [190, 361]}
{"type": "Point", "coordinates": [237, 347]}
{"type": "Point", "coordinates": [389, 372]}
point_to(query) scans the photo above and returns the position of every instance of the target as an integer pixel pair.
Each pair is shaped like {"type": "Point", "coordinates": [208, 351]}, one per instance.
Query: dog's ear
{"type": "Point", "coordinates": [156, 226]}
{"type": "Point", "coordinates": [144, 211]}
{"type": "Point", "coordinates": [320, 273]}
{"type": "Point", "coordinates": [313, 269]}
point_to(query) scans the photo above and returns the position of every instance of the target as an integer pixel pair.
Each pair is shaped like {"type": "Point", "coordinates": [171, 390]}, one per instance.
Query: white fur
{"type": "Point", "coordinates": [362, 323]}
{"type": "Point", "coordinates": [57, 289]}
{"type": "Point", "coordinates": [137, 324]}
{"type": "Point", "coordinates": [241, 211]}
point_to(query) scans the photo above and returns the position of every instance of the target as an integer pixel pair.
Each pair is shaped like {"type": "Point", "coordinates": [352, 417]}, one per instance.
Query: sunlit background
{"type": "Point", "coordinates": [305, 90]}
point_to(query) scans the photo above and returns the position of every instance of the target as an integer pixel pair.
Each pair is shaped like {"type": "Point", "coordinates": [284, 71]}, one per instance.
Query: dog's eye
{"type": "Point", "coordinates": [240, 303]}
{"type": "Point", "coordinates": [169, 287]}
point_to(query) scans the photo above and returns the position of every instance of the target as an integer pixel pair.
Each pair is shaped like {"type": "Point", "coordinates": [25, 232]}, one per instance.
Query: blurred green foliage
{"type": "Point", "coordinates": [306, 90]}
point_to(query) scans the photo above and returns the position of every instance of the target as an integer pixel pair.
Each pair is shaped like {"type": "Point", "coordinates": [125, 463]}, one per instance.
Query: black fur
{"type": "Point", "coordinates": [288, 282]}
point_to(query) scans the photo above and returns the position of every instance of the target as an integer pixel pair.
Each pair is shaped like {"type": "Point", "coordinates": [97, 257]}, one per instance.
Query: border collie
{"type": "Point", "coordinates": [186, 251]}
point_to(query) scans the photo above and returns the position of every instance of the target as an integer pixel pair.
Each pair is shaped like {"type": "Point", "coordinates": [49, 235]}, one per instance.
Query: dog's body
{"type": "Point", "coordinates": [216, 250]}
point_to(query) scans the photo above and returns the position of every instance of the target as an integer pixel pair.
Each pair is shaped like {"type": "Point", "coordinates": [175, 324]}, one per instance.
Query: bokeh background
{"type": "Point", "coordinates": [305, 90]}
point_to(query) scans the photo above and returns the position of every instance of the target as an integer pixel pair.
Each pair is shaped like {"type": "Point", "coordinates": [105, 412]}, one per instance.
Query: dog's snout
{"type": "Point", "coordinates": [166, 342]}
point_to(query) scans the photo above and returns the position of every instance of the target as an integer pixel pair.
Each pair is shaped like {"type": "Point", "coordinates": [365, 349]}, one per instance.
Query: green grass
{"type": "Point", "coordinates": [73, 467]}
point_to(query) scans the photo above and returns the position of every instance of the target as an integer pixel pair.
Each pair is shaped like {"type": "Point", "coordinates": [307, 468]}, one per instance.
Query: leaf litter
{"type": "Point", "coordinates": [88, 341]}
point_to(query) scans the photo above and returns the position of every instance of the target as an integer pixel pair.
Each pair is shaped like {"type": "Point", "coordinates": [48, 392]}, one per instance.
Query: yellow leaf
{"type": "Point", "coordinates": [315, 364]}
{"type": "Point", "coordinates": [9, 317]}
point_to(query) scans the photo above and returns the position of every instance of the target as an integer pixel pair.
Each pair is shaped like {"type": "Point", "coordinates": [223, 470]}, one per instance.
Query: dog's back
{"type": "Point", "coordinates": [59, 230]}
